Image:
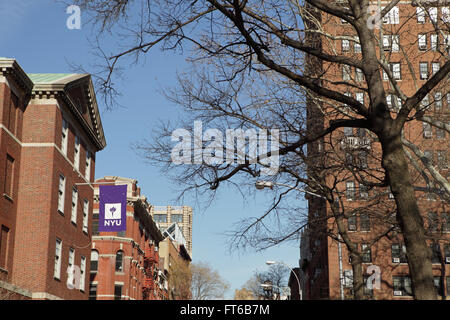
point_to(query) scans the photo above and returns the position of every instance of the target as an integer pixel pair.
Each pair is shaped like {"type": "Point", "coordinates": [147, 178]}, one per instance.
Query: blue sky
{"type": "Point", "coordinates": [34, 32]}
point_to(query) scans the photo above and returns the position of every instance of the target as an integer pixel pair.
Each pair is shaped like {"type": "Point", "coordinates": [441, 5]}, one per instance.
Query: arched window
{"type": "Point", "coordinates": [94, 260]}
{"type": "Point", "coordinates": [119, 261]}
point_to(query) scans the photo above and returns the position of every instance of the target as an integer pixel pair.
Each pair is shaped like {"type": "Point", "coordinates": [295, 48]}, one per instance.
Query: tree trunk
{"type": "Point", "coordinates": [409, 218]}
{"type": "Point", "coordinates": [358, 280]}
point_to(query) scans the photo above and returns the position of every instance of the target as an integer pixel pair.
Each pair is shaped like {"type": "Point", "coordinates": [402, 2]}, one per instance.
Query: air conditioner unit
{"type": "Point", "coordinates": [447, 259]}
{"type": "Point", "coordinates": [422, 47]}
{"type": "Point", "coordinates": [428, 134]}
{"type": "Point", "coordinates": [396, 260]}
{"type": "Point", "coordinates": [398, 293]}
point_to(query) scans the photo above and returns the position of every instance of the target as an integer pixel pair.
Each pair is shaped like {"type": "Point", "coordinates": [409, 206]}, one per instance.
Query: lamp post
{"type": "Point", "coordinates": [271, 262]}
{"type": "Point", "coordinates": [261, 184]}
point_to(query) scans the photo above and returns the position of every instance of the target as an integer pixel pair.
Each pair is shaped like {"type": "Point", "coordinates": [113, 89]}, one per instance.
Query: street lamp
{"type": "Point", "coordinates": [261, 184]}
{"type": "Point", "coordinates": [271, 262]}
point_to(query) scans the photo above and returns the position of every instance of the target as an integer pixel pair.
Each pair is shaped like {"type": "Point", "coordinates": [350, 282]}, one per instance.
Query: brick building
{"type": "Point", "coordinates": [50, 131]}
{"type": "Point", "coordinates": [125, 265]}
{"type": "Point", "coordinates": [415, 52]}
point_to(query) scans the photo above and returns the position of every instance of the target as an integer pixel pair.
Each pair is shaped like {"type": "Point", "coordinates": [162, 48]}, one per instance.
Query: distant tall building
{"type": "Point", "coordinates": [50, 131]}
{"type": "Point", "coordinates": [165, 216]}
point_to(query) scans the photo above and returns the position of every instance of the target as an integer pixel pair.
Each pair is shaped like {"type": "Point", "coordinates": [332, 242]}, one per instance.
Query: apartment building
{"type": "Point", "coordinates": [125, 265]}
{"type": "Point", "coordinates": [415, 51]}
{"type": "Point", "coordinates": [165, 216]}
{"type": "Point", "coordinates": [50, 131]}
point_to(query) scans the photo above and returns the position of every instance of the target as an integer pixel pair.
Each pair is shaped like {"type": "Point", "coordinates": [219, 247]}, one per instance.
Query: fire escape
{"type": "Point", "coordinates": [150, 288]}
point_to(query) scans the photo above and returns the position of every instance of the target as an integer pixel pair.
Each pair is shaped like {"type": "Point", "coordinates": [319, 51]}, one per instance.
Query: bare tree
{"type": "Point", "coordinates": [206, 283]}
{"type": "Point", "coordinates": [252, 69]}
{"type": "Point", "coordinates": [180, 281]}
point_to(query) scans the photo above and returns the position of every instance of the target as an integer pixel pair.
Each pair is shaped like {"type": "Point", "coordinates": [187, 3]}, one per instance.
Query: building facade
{"type": "Point", "coordinates": [165, 216]}
{"type": "Point", "coordinates": [125, 265]}
{"type": "Point", "coordinates": [415, 52]}
{"type": "Point", "coordinates": [50, 131]}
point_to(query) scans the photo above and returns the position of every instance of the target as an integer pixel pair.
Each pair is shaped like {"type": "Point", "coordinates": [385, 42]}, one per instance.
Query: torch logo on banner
{"type": "Point", "coordinates": [113, 204]}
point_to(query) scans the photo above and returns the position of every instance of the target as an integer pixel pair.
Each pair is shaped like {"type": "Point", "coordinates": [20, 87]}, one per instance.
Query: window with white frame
{"type": "Point", "coordinates": [435, 66]}
{"type": "Point", "coordinates": [82, 273]}
{"type": "Point", "coordinates": [398, 253]}
{"type": "Point", "coordinates": [437, 100]}
{"type": "Point", "coordinates": [423, 69]}
{"type": "Point", "coordinates": [71, 266]}
{"type": "Point", "coordinates": [85, 215]}
{"type": "Point", "coordinates": [392, 17]}
{"type": "Point", "coordinates": [64, 136]}
{"type": "Point", "coordinates": [350, 190]}
{"type": "Point", "coordinates": [74, 205]}
{"type": "Point", "coordinates": [422, 42]}
{"type": "Point", "coordinates": [427, 132]}
{"type": "Point", "coordinates": [434, 40]}
{"type": "Point", "coordinates": [445, 11]}
{"type": "Point", "coordinates": [88, 165]}
{"type": "Point", "coordinates": [395, 43]}
{"type": "Point", "coordinates": [359, 76]}
{"type": "Point", "coordinates": [357, 45]}
{"type": "Point", "coordinates": [58, 251]}
{"type": "Point", "coordinates": [402, 286]}
{"type": "Point", "coordinates": [345, 45]}
{"type": "Point", "coordinates": [360, 97]}
{"type": "Point", "coordinates": [346, 72]}
{"type": "Point", "coordinates": [395, 70]}
{"type": "Point", "coordinates": [433, 13]}
{"type": "Point", "coordinates": [76, 158]}
{"type": "Point", "coordinates": [348, 278]}
{"type": "Point", "coordinates": [366, 253]}
{"type": "Point", "coordinates": [425, 103]}
{"type": "Point", "coordinates": [420, 12]}
{"type": "Point", "coordinates": [61, 193]}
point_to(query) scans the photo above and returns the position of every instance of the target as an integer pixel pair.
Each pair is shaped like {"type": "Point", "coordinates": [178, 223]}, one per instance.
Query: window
{"type": "Point", "coordinates": [402, 286]}
{"type": "Point", "coordinates": [61, 190]}
{"type": "Point", "coordinates": [360, 97]}
{"type": "Point", "coordinates": [423, 69]}
{"type": "Point", "coordinates": [346, 72]}
{"type": "Point", "coordinates": [352, 223]}
{"type": "Point", "coordinates": [348, 159]}
{"type": "Point", "coordinates": [76, 158]}
{"type": "Point", "coordinates": [437, 101]}
{"type": "Point", "coordinates": [435, 66]}
{"type": "Point", "coordinates": [160, 217]}
{"type": "Point", "coordinates": [434, 42]}
{"type": "Point", "coordinates": [74, 205]}
{"type": "Point", "coordinates": [363, 192]}
{"type": "Point", "coordinates": [438, 285]}
{"type": "Point", "coordinates": [422, 42]}
{"type": "Point", "coordinates": [94, 260]}
{"type": "Point", "coordinates": [398, 253]}
{"type": "Point", "coordinates": [70, 266]}
{"type": "Point", "coordinates": [447, 247]}
{"type": "Point", "coordinates": [433, 221]}
{"type": "Point", "coordinates": [357, 45]}
{"type": "Point", "coordinates": [396, 71]}
{"type": "Point", "coordinates": [82, 272]}
{"type": "Point", "coordinates": [420, 12]}
{"type": "Point", "coordinates": [348, 278]}
{"type": "Point", "coordinates": [345, 45]}
{"type": "Point", "coordinates": [366, 290]}
{"type": "Point", "coordinates": [350, 190]}
{"type": "Point", "coordinates": [362, 160]}
{"type": "Point", "coordinates": [119, 261]}
{"type": "Point", "coordinates": [92, 291]}
{"type": "Point", "coordinates": [64, 136]}
{"type": "Point", "coordinates": [177, 218]}
{"type": "Point", "coordinates": [394, 103]}
{"type": "Point", "coordinates": [4, 244]}
{"type": "Point", "coordinates": [88, 166]}
{"type": "Point", "coordinates": [440, 133]}
{"type": "Point", "coordinates": [445, 14]}
{"type": "Point", "coordinates": [392, 17]}
{"type": "Point", "coordinates": [58, 251]}
{"type": "Point", "coordinates": [348, 131]}
{"type": "Point", "coordinates": [86, 215]}
{"type": "Point", "coordinates": [359, 75]}
{"type": "Point", "coordinates": [117, 292]}
{"type": "Point", "coordinates": [433, 12]}
{"type": "Point", "coordinates": [442, 159]}
{"type": "Point", "coordinates": [425, 103]}
{"type": "Point", "coordinates": [427, 133]}
{"type": "Point", "coordinates": [9, 177]}
{"type": "Point", "coordinates": [435, 253]}
{"type": "Point", "coordinates": [364, 221]}
{"type": "Point", "coordinates": [366, 253]}
{"type": "Point", "coordinates": [395, 43]}
{"type": "Point", "coordinates": [95, 224]}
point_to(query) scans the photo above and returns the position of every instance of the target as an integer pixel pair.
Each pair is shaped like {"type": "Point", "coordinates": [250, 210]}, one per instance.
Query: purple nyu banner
{"type": "Point", "coordinates": [113, 208]}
